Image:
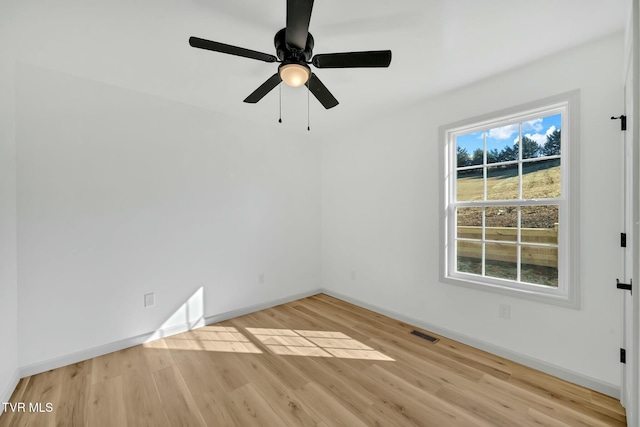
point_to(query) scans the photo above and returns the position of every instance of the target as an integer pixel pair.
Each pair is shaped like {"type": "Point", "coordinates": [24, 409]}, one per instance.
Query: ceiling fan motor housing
{"type": "Point", "coordinates": [289, 54]}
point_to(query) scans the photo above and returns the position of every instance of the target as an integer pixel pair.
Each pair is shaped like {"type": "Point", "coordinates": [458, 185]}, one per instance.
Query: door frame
{"type": "Point", "coordinates": [630, 393]}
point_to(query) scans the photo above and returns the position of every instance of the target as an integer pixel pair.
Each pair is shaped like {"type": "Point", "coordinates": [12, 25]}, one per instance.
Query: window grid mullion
{"type": "Point", "coordinates": [511, 162]}
{"type": "Point", "coordinates": [512, 202]}
{"type": "Point", "coordinates": [465, 168]}
{"type": "Point", "coordinates": [484, 246]}
{"type": "Point", "coordinates": [519, 208]}
{"type": "Point", "coordinates": [519, 241]}
{"type": "Point", "coordinates": [484, 182]}
{"type": "Point", "coordinates": [520, 161]}
{"type": "Point", "coordinates": [484, 165]}
{"type": "Point", "coordinates": [506, 242]}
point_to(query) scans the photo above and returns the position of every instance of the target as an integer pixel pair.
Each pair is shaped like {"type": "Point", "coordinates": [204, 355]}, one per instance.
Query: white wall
{"type": "Point", "coordinates": [122, 193]}
{"type": "Point", "coordinates": [8, 248]}
{"type": "Point", "coordinates": [381, 216]}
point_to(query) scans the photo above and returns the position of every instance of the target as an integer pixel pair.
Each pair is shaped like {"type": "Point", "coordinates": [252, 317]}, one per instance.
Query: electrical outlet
{"type": "Point", "coordinates": [149, 300]}
{"type": "Point", "coordinates": [353, 275]}
{"type": "Point", "coordinates": [504, 311]}
{"type": "Point", "coordinates": [261, 278]}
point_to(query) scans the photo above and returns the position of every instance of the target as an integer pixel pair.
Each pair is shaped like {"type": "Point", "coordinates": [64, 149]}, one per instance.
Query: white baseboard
{"type": "Point", "coordinates": [257, 307]}
{"type": "Point", "coordinates": [101, 350]}
{"type": "Point", "coordinates": [556, 371]}
{"type": "Point", "coordinates": [10, 388]}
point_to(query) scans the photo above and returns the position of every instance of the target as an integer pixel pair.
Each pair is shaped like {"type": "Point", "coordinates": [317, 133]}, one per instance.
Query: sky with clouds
{"type": "Point", "coordinates": [501, 137]}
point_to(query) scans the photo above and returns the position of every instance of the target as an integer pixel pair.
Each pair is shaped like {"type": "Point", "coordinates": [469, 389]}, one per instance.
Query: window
{"type": "Point", "coordinates": [509, 192]}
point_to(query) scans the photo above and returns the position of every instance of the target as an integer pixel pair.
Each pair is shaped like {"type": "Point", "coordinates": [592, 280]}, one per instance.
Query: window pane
{"type": "Point", "coordinates": [501, 261]}
{"type": "Point", "coordinates": [470, 149]}
{"type": "Point", "coordinates": [541, 179]}
{"type": "Point", "coordinates": [502, 182]}
{"type": "Point", "coordinates": [469, 257]}
{"type": "Point", "coordinates": [539, 224]}
{"type": "Point", "coordinates": [470, 184]}
{"type": "Point", "coordinates": [545, 132]}
{"type": "Point", "coordinates": [540, 265]}
{"type": "Point", "coordinates": [501, 144]}
{"type": "Point", "coordinates": [501, 223]}
{"type": "Point", "coordinates": [469, 223]}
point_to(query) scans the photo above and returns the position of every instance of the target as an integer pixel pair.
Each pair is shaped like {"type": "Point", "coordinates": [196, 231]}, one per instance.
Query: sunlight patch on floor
{"type": "Point", "coordinates": [213, 338]}
{"type": "Point", "coordinates": [315, 343]}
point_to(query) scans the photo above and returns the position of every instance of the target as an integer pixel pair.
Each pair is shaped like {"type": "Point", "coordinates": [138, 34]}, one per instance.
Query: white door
{"type": "Point", "coordinates": [630, 393]}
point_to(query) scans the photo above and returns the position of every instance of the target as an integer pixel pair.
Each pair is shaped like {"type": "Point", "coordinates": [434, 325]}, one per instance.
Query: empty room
{"type": "Point", "coordinates": [322, 213]}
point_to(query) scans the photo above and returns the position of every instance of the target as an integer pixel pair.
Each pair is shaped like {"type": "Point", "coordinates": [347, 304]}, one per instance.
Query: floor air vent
{"type": "Point", "coordinates": [425, 336]}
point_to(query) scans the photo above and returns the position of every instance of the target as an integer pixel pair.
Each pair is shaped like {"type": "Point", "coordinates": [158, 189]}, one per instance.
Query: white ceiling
{"type": "Point", "coordinates": [437, 45]}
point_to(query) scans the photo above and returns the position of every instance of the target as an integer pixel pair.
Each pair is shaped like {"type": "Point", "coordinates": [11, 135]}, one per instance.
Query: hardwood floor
{"type": "Point", "coordinates": [317, 361]}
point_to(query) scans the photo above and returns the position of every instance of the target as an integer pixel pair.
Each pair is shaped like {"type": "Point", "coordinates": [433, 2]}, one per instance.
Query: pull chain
{"type": "Point", "coordinates": [308, 90]}
{"type": "Point", "coordinates": [280, 89]}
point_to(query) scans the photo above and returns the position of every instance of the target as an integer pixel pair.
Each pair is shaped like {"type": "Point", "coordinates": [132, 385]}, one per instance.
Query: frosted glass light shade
{"type": "Point", "coordinates": [294, 75]}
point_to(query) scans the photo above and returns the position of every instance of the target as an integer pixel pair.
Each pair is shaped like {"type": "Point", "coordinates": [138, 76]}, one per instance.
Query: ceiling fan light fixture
{"type": "Point", "coordinates": [294, 75]}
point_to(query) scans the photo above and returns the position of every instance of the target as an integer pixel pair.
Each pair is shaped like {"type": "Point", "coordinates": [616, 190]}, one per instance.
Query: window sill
{"type": "Point", "coordinates": [530, 293]}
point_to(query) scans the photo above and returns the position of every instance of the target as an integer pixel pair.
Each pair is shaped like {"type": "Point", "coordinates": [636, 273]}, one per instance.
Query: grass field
{"type": "Point", "coordinates": [539, 180]}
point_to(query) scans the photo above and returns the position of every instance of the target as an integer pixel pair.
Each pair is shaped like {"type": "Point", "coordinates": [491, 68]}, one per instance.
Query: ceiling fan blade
{"type": "Point", "coordinates": [373, 58]}
{"type": "Point", "coordinates": [320, 91]}
{"type": "Point", "coordinates": [231, 50]}
{"type": "Point", "coordinates": [264, 89]}
{"type": "Point", "coordinates": [298, 18]}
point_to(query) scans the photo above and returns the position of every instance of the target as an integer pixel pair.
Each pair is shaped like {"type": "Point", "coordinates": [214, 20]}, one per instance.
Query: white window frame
{"type": "Point", "coordinates": [567, 293]}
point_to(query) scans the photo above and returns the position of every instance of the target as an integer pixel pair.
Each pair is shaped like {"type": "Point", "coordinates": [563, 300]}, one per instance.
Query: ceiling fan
{"type": "Point", "coordinates": [294, 49]}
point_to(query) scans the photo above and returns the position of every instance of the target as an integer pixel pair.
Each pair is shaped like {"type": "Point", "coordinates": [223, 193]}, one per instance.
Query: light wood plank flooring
{"type": "Point", "coordinates": [317, 361]}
